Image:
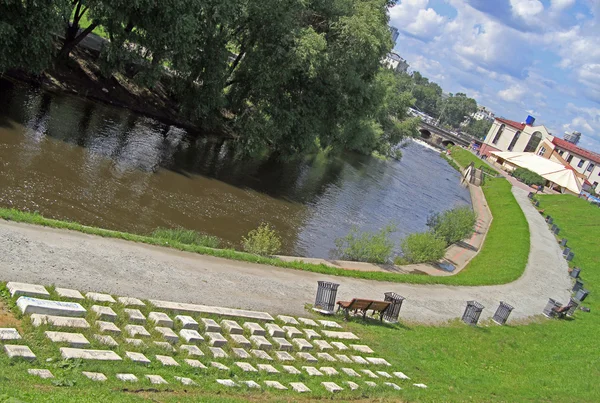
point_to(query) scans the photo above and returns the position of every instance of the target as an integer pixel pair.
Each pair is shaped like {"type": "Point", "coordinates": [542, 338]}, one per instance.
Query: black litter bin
{"type": "Point", "coordinates": [472, 313]}
{"type": "Point", "coordinates": [326, 293]}
{"type": "Point", "coordinates": [501, 315]}
{"type": "Point", "coordinates": [393, 312]}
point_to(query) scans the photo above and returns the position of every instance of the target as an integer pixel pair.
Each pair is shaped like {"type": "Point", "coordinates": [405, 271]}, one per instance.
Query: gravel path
{"type": "Point", "coordinates": [70, 259]}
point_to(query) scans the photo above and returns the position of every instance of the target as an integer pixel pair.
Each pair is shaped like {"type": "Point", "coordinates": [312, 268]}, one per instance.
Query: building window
{"type": "Point", "coordinates": [533, 142]}
{"type": "Point", "coordinates": [561, 152]}
{"type": "Point", "coordinates": [590, 167]}
{"type": "Point", "coordinates": [498, 134]}
{"type": "Point", "coordinates": [514, 141]}
{"type": "Point", "coordinates": [581, 162]}
{"type": "Point", "coordinates": [542, 151]}
{"type": "Point", "coordinates": [569, 159]}
{"type": "Point", "coordinates": [595, 185]}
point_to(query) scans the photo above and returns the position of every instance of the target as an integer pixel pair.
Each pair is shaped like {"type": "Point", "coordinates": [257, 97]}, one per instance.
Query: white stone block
{"type": "Point", "coordinates": [59, 321]}
{"type": "Point", "coordinates": [29, 305]}
{"type": "Point", "coordinates": [340, 335]}
{"type": "Point", "coordinates": [109, 327]}
{"type": "Point", "coordinates": [350, 372]}
{"type": "Point", "coordinates": [98, 297]}
{"type": "Point", "coordinates": [129, 301]}
{"type": "Point", "coordinates": [339, 345]}
{"type": "Point", "coordinates": [420, 385]}
{"type": "Point", "coordinates": [69, 293]}
{"type": "Point", "coordinates": [302, 344]}
{"type": "Point", "coordinates": [165, 346]}
{"type": "Point", "coordinates": [311, 334]}
{"type": "Point", "coordinates": [329, 323]}
{"type": "Point", "coordinates": [275, 385]}
{"type": "Point", "coordinates": [138, 358]}
{"type": "Point", "coordinates": [246, 367]}
{"type": "Point", "coordinates": [78, 353]}
{"type": "Point", "coordinates": [9, 334]}
{"type": "Point", "coordinates": [28, 290]}
{"type": "Point", "coordinates": [261, 342]}
{"type": "Point", "coordinates": [167, 361]}
{"type": "Point", "coordinates": [156, 379]}
{"type": "Point", "coordinates": [325, 357]}
{"type": "Point", "coordinates": [42, 373]}
{"type": "Point", "coordinates": [308, 322]}
{"type": "Point", "coordinates": [371, 384]}
{"type": "Point", "coordinates": [127, 377]}
{"type": "Point", "coordinates": [76, 340]}
{"type": "Point", "coordinates": [292, 332]}
{"type": "Point", "coordinates": [192, 350]}
{"type": "Point", "coordinates": [137, 330]}
{"type": "Point", "coordinates": [352, 385]}
{"type": "Point", "coordinates": [288, 320]}
{"type": "Point", "coordinates": [275, 330]}
{"type": "Point", "coordinates": [218, 352]}
{"type": "Point", "coordinates": [401, 375]}
{"type": "Point", "coordinates": [216, 339]}
{"type": "Point", "coordinates": [240, 353]}
{"type": "Point", "coordinates": [299, 387]}
{"type": "Point", "coordinates": [361, 348]}
{"type": "Point", "coordinates": [95, 376]}
{"type": "Point", "coordinates": [227, 382]}
{"type": "Point", "coordinates": [168, 334]}
{"type": "Point", "coordinates": [160, 319]}
{"type": "Point", "coordinates": [187, 322]}
{"type": "Point", "coordinates": [291, 370]}
{"type": "Point", "coordinates": [185, 381]}
{"type": "Point", "coordinates": [104, 313]}
{"type": "Point", "coordinates": [231, 327]}
{"type": "Point", "coordinates": [307, 357]}
{"type": "Point", "coordinates": [219, 366]}
{"type": "Point", "coordinates": [14, 351]}
{"type": "Point", "coordinates": [283, 344]}
{"type": "Point", "coordinates": [329, 371]}
{"type": "Point", "coordinates": [261, 355]}
{"type": "Point", "coordinates": [343, 358]}
{"type": "Point", "coordinates": [332, 387]}
{"type": "Point", "coordinates": [383, 374]}
{"type": "Point", "coordinates": [283, 356]}
{"type": "Point", "coordinates": [241, 340]}
{"type": "Point", "coordinates": [251, 384]}
{"type": "Point", "coordinates": [191, 335]}
{"type": "Point", "coordinates": [369, 373]}
{"type": "Point", "coordinates": [194, 363]}
{"type": "Point", "coordinates": [210, 326]}
{"type": "Point", "coordinates": [268, 368]}
{"type": "Point", "coordinates": [135, 342]}
{"type": "Point", "coordinates": [378, 361]}
{"type": "Point", "coordinates": [180, 307]}
{"type": "Point", "coordinates": [322, 345]}
{"type": "Point", "coordinates": [392, 385]}
{"type": "Point", "coordinates": [312, 371]}
{"type": "Point", "coordinates": [255, 329]}
{"type": "Point", "coordinates": [135, 316]}
{"type": "Point", "coordinates": [359, 360]}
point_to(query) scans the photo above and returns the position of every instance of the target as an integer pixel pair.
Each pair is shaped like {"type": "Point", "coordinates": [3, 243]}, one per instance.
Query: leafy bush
{"type": "Point", "coordinates": [372, 247]}
{"type": "Point", "coordinates": [185, 236]}
{"type": "Point", "coordinates": [262, 241]}
{"type": "Point", "coordinates": [423, 247]}
{"type": "Point", "coordinates": [528, 177]}
{"type": "Point", "coordinates": [453, 225]}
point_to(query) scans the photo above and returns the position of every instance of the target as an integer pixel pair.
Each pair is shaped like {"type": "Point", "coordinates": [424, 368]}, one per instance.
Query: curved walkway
{"type": "Point", "coordinates": [70, 259]}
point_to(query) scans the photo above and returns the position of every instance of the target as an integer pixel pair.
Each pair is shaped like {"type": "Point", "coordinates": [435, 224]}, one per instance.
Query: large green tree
{"type": "Point", "coordinates": [478, 128]}
{"type": "Point", "coordinates": [456, 108]}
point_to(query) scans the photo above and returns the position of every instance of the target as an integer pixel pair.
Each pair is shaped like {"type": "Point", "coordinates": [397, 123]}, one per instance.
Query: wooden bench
{"type": "Point", "coordinates": [363, 305]}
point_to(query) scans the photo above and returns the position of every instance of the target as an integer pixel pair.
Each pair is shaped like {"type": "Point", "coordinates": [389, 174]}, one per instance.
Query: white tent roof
{"type": "Point", "coordinates": [547, 169]}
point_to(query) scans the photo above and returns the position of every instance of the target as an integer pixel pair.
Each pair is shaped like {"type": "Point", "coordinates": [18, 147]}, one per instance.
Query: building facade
{"type": "Point", "coordinates": [508, 135]}
{"type": "Point", "coordinates": [395, 34]}
{"type": "Point", "coordinates": [584, 162]}
{"type": "Point", "coordinates": [483, 113]}
{"type": "Point", "coordinates": [395, 62]}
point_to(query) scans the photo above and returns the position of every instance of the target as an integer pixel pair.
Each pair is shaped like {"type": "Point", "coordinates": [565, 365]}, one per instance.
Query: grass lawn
{"type": "Point", "coordinates": [465, 157]}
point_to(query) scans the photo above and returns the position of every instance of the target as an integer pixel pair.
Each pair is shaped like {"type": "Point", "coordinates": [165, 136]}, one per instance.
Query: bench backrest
{"type": "Point", "coordinates": [363, 304]}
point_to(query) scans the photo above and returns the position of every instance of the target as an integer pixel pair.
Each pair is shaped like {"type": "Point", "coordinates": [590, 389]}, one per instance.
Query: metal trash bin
{"type": "Point", "coordinates": [570, 256]}
{"type": "Point", "coordinates": [325, 300]}
{"type": "Point", "coordinates": [530, 195]}
{"type": "Point", "coordinates": [549, 306]}
{"type": "Point", "coordinates": [501, 315]}
{"type": "Point", "coordinates": [553, 228]}
{"type": "Point", "coordinates": [563, 242]}
{"type": "Point", "coordinates": [556, 231]}
{"type": "Point", "coordinates": [537, 203]}
{"type": "Point", "coordinates": [578, 285]}
{"type": "Point", "coordinates": [574, 304]}
{"type": "Point", "coordinates": [566, 251]}
{"type": "Point", "coordinates": [393, 312]}
{"type": "Point", "coordinates": [581, 295]}
{"type": "Point", "coordinates": [575, 272]}
{"type": "Point", "coordinates": [550, 220]}
{"type": "Point", "coordinates": [472, 313]}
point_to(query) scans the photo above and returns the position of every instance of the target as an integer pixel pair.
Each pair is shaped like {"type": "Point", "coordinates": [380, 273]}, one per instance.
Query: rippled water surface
{"type": "Point", "coordinates": [74, 159]}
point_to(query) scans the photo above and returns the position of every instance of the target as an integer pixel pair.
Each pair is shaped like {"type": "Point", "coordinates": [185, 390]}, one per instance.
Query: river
{"type": "Point", "coordinates": [73, 159]}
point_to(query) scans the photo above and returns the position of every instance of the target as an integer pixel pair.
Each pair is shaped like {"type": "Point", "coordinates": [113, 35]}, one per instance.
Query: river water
{"type": "Point", "coordinates": [74, 159]}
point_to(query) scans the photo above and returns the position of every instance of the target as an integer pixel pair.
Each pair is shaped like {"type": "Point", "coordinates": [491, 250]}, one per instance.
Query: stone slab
{"type": "Point", "coordinates": [129, 301]}
{"type": "Point", "coordinates": [420, 385]}
{"type": "Point", "coordinates": [240, 353]}
{"type": "Point", "coordinates": [42, 373]}
{"type": "Point", "coordinates": [69, 353]}
{"type": "Point", "coordinates": [306, 357]}
{"type": "Point", "coordinates": [241, 340]}
{"type": "Point", "coordinates": [185, 381]}
{"type": "Point", "coordinates": [352, 385]}
{"type": "Point", "coordinates": [261, 355]}
{"type": "Point", "coordinates": [283, 344]}
{"type": "Point", "coordinates": [261, 343]}
{"type": "Point", "coordinates": [325, 357]}
{"type": "Point", "coordinates": [231, 326]}
{"type": "Point", "coordinates": [340, 335]}
{"type": "Point", "coordinates": [275, 330]}
{"type": "Point", "coordinates": [311, 334]}
{"type": "Point", "coordinates": [246, 367]}
{"type": "Point", "coordinates": [329, 371]}
{"type": "Point", "coordinates": [302, 344]}
{"type": "Point", "coordinates": [108, 327]}
{"type": "Point", "coordinates": [400, 375]}
{"type": "Point", "coordinates": [283, 356]}
{"type": "Point", "coordinates": [275, 385]}
{"type": "Point", "coordinates": [216, 339]}
{"type": "Point", "coordinates": [127, 377]}
{"type": "Point", "coordinates": [299, 387]}
{"type": "Point", "coordinates": [9, 334]}
{"type": "Point", "coordinates": [312, 371]}
{"type": "Point", "coordinates": [219, 366]}
{"type": "Point", "coordinates": [69, 293]}
{"type": "Point", "coordinates": [291, 370]}
{"type": "Point", "coordinates": [218, 352]}
{"type": "Point", "coordinates": [369, 373]}
{"type": "Point", "coordinates": [135, 342]}
{"type": "Point", "coordinates": [194, 363]}
{"type": "Point", "coordinates": [288, 320]}
{"type": "Point", "coordinates": [167, 361]}
{"type": "Point", "coordinates": [292, 332]}
{"type": "Point", "coordinates": [168, 334]}
{"type": "Point", "coordinates": [361, 348]}
{"type": "Point", "coordinates": [76, 340]}
{"type": "Point", "coordinates": [359, 360]}
{"type": "Point", "coordinates": [251, 384]}
{"type": "Point", "coordinates": [371, 384]}
{"type": "Point", "coordinates": [343, 358]}
{"type": "Point", "coordinates": [165, 345]}
{"type": "Point", "coordinates": [95, 376]}
{"type": "Point", "coordinates": [339, 345]}
{"type": "Point", "coordinates": [211, 310]}
{"type": "Point", "coordinates": [383, 374]}
{"type": "Point", "coordinates": [156, 379]}
{"type": "Point", "coordinates": [29, 290]}
{"type": "Point", "coordinates": [332, 387]}
{"type": "Point", "coordinates": [15, 351]}
{"type": "Point", "coordinates": [255, 329]}
{"type": "Point", "coordinates": [392, 385]}
{"type": "Point", "coordinates": [210, 326]}
{"type": "Point", "coordinates": [227, 382]}
{"type": "Point", "coordinates": [98, 297]}
{"type": "Point", "coordinates": [378, 361]}
{"type": "Point", "coordinates": [138, 358]}
{"type": "Point", "coordinates": [322, 345]}
{"type": "Point", "coordinates": [329, 323]}
{"type": "Point", "coordinates": [160, 319]}
{"type": "Point", "coordinates": [29, 305]}
{"type": "Point", "coordinates": [104, 313]}
{"type": "Point", "coordinates": [187, 322]}
{"type": "Point", "coordinates": [192, 350]}
{"type": "Point", "coordinates": [135, 316]}
{"type": "Point", "coordinates": [350, 372]}
{"type": "Point", "coordinates": [268, 368]}
{"type": "Point", "coordinates": [136, 330]}
{"type": "Point", "coordinates": [308, 322]}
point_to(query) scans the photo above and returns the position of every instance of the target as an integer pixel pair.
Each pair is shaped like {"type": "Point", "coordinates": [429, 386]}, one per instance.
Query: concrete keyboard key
{"type": "Point", "coordinates": [211, 310]}
{"type": "Point", "coordinates": [29, 305]}
{"type": "Point", "coordinates": [84, 354]}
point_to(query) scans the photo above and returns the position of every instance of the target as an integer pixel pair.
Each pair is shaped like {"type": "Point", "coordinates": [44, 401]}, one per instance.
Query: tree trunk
{"type": "Point", "coordinates": [70, 44]}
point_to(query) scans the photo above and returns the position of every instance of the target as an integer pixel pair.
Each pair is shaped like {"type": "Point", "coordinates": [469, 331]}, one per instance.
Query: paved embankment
{"type": "Point", "coordinates": [71, 259]}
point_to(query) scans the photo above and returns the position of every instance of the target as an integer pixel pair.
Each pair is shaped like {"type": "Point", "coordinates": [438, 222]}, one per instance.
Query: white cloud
{"type": "Point", "coordinates": [560, 5]}
{"type": "Point", "coordinates": [513, 93]}
{"type": "Point", "coordinates": [526, 8]}
{"type": "Point", "coordinates": [414, 18]}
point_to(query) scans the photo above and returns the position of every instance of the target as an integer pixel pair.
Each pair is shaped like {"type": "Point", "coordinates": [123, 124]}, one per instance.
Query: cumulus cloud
{"type": "Point", "coordinates": [415, 18]}
{"type": "Point", "coordinates": [513, 93]}
{"type": "Point", "coordinates": [526, 8]}
{"type": "Point", "coordinates": [560, 5]}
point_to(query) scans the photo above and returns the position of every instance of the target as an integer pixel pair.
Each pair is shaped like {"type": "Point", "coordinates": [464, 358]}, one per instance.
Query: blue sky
{"type": "Point", "coordinates": [517, 57]}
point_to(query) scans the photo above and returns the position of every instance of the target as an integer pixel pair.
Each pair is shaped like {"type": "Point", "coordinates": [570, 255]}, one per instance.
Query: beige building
{"type": "Point", "coordinates": [508, 135]}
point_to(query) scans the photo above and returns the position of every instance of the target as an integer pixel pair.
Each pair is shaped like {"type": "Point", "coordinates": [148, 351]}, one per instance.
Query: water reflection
{"type": "Point", "coordinates": [73, 159]}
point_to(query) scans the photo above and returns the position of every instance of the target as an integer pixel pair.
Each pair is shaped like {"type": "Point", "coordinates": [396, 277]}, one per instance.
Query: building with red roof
{"type": "Point", "coordinates": [509, 135]}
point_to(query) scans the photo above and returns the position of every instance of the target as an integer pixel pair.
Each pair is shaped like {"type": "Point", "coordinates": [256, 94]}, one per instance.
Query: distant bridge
{"type": "Point", "coordinates": [439, 137]}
